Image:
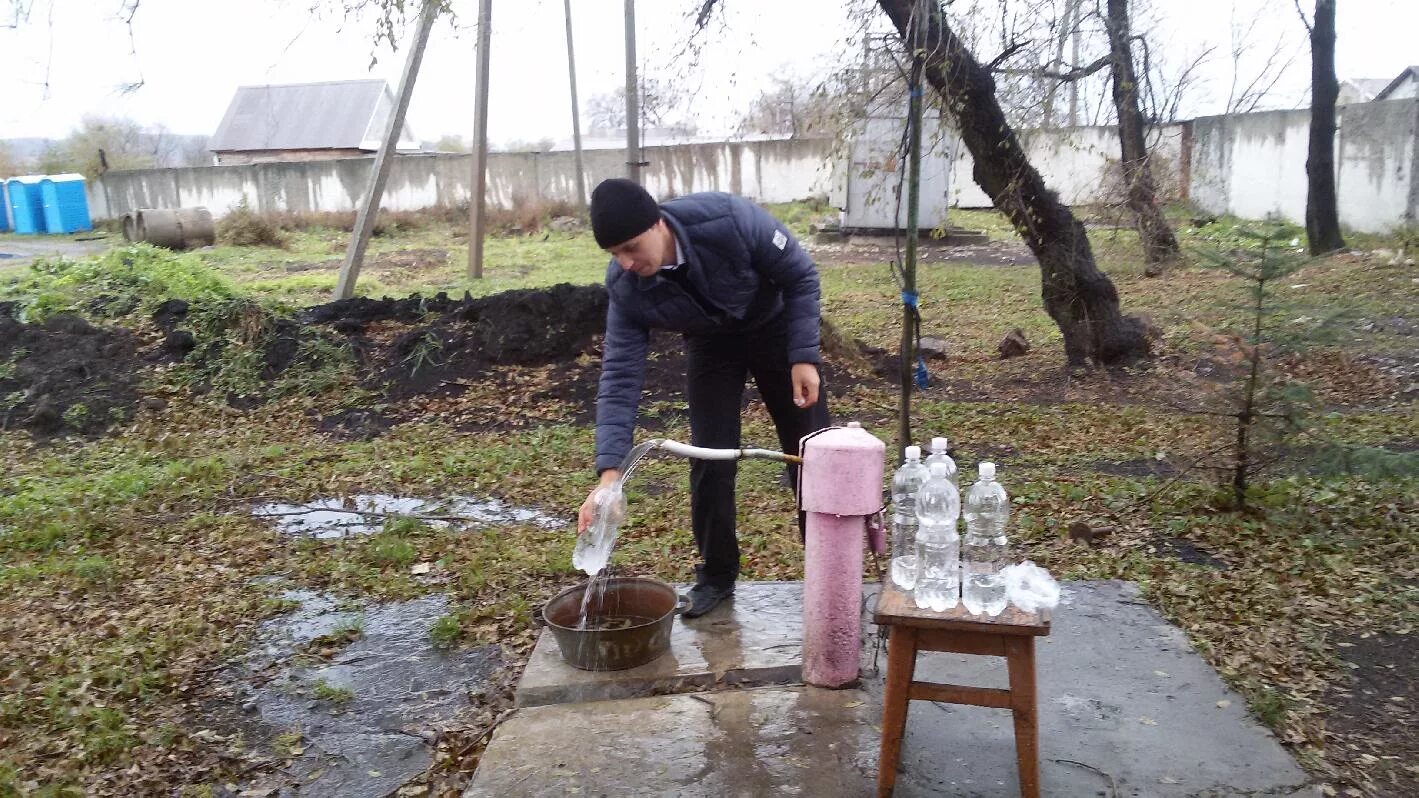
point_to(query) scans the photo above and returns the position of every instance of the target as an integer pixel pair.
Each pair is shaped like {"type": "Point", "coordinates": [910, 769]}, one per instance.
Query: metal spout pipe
{"type": "Point", "coordinates": [703, 453]}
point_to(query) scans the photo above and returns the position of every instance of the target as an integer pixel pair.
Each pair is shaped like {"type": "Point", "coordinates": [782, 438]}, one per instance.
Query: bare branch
{"type": "Point", "coordinates": [128, 11]}
{"type": "Point", "coordinates": [1009, 51]}
{"type": "Point", "coordinates": [1063, 77]}
{"type": "Point", "coordinates": [1302, 14]}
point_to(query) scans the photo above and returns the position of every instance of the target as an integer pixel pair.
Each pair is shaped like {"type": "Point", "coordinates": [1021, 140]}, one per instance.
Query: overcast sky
{"type": "Point", "coordinates": [66, 58]}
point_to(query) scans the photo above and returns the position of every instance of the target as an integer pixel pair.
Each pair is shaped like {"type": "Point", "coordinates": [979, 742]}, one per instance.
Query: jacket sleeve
{"type": "Point", "coordinates": [619, 392]}
{"type": "Point", "coordinates": [775, 254]}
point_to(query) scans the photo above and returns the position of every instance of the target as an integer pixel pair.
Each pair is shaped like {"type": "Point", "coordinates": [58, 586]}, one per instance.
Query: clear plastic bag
{"type": "Point", "coordinates": [593, 547]}
{"type": "Point", "coordinates": [1030, 587]}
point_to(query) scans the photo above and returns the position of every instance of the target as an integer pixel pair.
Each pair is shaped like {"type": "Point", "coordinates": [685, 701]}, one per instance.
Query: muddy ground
{"type": "Point", "coordinates": [1377, 704]}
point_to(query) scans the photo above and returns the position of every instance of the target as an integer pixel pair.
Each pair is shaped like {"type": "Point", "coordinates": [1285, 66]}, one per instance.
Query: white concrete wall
{"type": "Point", "coordinates": [1254, 165]}
{"type": "Point", "coordinates": [1080, 163]}
{"type": "Point", "coordinates": [1251, 166]}
{"type": "Point", "coordinates": [1378, 163]}
{"type": "Point", "coordinates": [766, 171]}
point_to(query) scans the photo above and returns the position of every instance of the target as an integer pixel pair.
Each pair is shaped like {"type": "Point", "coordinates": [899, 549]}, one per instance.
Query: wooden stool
{"type": "Point", "coordinates": [1011, 634]}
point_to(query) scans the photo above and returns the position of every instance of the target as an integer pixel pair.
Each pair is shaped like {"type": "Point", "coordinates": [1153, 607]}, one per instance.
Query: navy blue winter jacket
{"type": "Point", "coordinates": [742, 261]}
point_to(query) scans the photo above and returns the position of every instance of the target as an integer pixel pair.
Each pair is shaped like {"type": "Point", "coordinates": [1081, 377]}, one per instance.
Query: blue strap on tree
{"type": "Point", "coordinates": [920, 376]}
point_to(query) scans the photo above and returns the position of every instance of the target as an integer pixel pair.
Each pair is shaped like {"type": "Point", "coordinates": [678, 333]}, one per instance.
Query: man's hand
{"type": "Point", "coordinates": [805, 384]}
{"type": "Point", "coordinates": [588, 507]}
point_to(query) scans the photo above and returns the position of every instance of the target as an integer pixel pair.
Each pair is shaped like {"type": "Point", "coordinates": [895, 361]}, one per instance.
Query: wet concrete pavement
{"type": "Point", "coordinates": [755, 638]}
{"type": "Point", "coordinates": [21, 250]}
{"type": "Point", "coordinates": [759, 742]}
{"type": "Point", "coordinates": [1126, 709]}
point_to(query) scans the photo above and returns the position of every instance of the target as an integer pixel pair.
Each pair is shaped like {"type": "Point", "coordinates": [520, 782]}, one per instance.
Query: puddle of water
{"type": "Point", "coordinates": [329, 519]}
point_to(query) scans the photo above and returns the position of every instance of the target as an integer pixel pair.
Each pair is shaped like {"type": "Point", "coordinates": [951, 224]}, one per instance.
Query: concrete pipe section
{"type": "Point", "coordinates": [180, 228]}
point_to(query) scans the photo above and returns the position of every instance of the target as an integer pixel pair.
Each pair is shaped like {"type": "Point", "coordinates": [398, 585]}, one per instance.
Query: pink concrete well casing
{"type": "Point", "coordinates": [842, 485]}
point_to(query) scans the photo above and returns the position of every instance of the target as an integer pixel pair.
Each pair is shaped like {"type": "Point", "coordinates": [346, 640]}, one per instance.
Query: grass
{"type": "Point", "coordinates": [335, 694]}
{"type": "Point", "coordinates": [143, 537]}
{"type": "Point", "coordinates": [288, 743]}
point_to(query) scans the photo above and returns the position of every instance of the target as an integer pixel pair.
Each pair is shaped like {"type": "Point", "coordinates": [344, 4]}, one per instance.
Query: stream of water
{"type": "Point", "coordinates": [594, 553]}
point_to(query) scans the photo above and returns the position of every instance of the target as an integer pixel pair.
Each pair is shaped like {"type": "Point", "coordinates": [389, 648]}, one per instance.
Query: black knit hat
{"type": "Point", "coordinates": [620, 211]}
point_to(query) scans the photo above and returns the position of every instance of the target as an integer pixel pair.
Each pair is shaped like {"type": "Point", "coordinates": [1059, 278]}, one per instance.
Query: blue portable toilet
{"type": "Point", "coordinates": [26, 205]}
{"type": "Point", "coordinates": [4, 208]}
{"type": "Point", "coordinates": [66, 208]}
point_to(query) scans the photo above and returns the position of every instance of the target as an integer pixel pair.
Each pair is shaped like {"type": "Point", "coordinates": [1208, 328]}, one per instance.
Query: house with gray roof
{"type": "Point", "coordinates": [1360, 90]}
{"type": "Point", "coordinates": [1403, 87]}
{"type": "Point", "coordinates": [307, 122]}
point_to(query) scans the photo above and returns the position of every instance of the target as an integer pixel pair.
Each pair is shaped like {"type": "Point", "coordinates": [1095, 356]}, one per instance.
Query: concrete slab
{"type": "Point", "coordinates": [754, 638]}
{"type": "Point", "coordinates": [1126, 709]}
{"type": "Point", "coordinates": [759, 742]}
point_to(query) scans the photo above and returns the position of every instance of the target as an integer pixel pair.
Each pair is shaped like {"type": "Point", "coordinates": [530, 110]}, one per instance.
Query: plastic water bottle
{"type": "Point", "coordinates": [983, 553]}
{"type": "Point", "coordinates": [593, 547]}
{"type": "Point", "coordinates": [939, 455]}
{"type": "Point", "coordinates": [906, 483]}
{"type": "Point", "coordinates": [938, 507]}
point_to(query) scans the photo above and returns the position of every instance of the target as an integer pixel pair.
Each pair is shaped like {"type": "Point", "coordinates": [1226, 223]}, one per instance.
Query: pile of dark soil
{"type": "Point", "coordinates": [204, 342]}
{"type": "Point", "coordinates": [65, 375]}
{"type": "Point", "coordinates": [523, 327]}
{"type": "Point", "coordinates": [407, 348]}
{"type": "Point", "coordinates": [353, 315]}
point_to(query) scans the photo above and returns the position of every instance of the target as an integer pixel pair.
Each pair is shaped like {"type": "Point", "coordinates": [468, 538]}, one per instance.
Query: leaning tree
{"type": "Point", "coordinates": [1079, 297]}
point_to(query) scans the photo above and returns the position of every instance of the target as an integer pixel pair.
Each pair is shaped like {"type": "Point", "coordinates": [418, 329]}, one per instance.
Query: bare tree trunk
{"type": "Point", "coordinates": [1160, 246]}
{"type": "Point", "coordinates": [1322, 213]}
{"type": "Point", "coordinates": [1080, 299]}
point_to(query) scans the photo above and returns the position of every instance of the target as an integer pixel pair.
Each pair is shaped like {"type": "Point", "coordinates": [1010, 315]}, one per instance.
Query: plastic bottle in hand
{"type": "Point", "coordinates": [938, 508]}
{"type": "Point", "coordinates": [983, 553]}
{"type": "Point", "coordinates": [939, 455]}
{"type": "Point", "coordinates": [593, 547]}
{"type": "Point", "coordinates": [906, 483]}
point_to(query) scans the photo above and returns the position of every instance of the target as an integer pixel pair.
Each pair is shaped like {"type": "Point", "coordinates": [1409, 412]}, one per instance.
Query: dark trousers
{"type": "Point", "coordinates": [717, 369]}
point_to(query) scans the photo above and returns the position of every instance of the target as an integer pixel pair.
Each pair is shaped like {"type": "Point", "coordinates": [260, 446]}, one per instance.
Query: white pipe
{"type": "Point", "coordinates": [703, 453]}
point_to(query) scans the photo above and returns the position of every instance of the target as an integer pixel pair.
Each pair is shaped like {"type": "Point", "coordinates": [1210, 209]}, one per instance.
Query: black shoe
{"type": "Point", "coordinates": [704, 598]}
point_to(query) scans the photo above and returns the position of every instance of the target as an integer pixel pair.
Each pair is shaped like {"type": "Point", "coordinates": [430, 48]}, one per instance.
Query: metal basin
{"type": "Point", "coordinates": [630, 623]}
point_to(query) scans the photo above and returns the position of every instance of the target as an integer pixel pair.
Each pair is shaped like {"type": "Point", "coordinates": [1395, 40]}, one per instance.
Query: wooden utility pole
{"type": "Point", "coordinates": [479, 182]}
{"type": "Point", "coordinates": [910, 315]}
{"type": "Point", "coordinates": [364, 220]}
{"type": "Point", "coordinates": [576, 111]}
{"type": "Point", "coordinates": [633, 99]}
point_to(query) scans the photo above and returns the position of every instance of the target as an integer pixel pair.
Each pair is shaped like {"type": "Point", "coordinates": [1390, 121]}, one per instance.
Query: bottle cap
{"type": "Point", "coordinates": [939, 445]}
{"type": "Point", "coordinates": [987, 470]}
{"type": "Point", "coordinates": [913, 452]}
{"type": "Point", "coordinates": [939, 470]}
